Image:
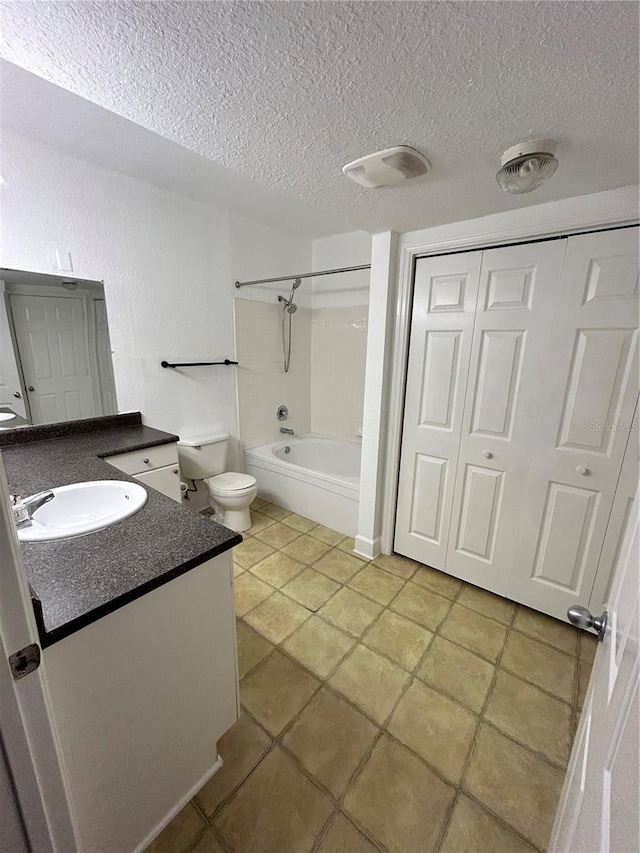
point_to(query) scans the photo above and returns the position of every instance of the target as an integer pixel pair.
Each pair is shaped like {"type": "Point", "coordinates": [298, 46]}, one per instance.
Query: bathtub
{"type": "Point", "coordinates": [314, 476]}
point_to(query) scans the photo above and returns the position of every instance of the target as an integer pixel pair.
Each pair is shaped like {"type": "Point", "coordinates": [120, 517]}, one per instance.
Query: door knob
{"type": "Point", "coordinates": [581, 617]}
{"type": "Point", "coordinates": [487, 454]}
{"type": "Point", "coordinates": [31, 388]}
{"type": "Point", "coordinates": [582, 470]}
{"type": "Point", "coordinates": [17, 394]}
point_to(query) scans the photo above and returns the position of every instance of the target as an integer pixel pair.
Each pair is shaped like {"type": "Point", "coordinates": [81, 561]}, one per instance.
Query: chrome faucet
{"type": "Point", "coordinates": [24, 509]}
{"type": "Point", "coordinates": [286, 431]}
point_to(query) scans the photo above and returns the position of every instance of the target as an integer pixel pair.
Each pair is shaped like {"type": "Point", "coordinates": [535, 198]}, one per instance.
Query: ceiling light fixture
{"type": "Point", "coordinates": [527, 166]}
{"type": "Point", "coordinates": [388, 168]}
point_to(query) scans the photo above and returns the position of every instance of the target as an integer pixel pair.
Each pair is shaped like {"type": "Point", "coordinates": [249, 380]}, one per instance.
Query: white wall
{"type": "Point", "coordinates": [350, 249]}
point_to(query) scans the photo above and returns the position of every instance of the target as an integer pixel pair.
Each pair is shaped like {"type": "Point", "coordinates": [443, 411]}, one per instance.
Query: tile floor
{"type": "Point", "coordinates": [386, 707]}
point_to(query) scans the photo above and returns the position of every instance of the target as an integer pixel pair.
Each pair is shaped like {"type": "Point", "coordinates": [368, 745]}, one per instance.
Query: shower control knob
{"type": "Point", "coordinates": [282, 413]}
{"type": "Point", "coordinates": [487, 454]}
{"type": "Point", "coordinates": [582, 470]}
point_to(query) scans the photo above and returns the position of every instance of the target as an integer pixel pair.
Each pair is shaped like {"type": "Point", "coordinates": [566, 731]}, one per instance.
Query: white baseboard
{"type": "Point", "coordinates": [369, 548]}
{"type": "Point", "coordinates": [166, 820]}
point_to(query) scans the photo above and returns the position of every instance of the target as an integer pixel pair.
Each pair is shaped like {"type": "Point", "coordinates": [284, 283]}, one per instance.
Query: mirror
{"type": "Point", "coordinates": [55, 351]}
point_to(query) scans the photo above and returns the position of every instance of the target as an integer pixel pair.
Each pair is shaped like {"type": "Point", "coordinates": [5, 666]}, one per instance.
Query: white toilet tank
{"type": "Point", "coordinates": [202, 455]}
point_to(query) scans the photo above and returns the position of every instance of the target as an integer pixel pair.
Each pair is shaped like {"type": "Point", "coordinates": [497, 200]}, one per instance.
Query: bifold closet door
{"type": "Point", "coordinates": [582, 427]}
{"type": "Point", "coordinates": [516, 302]}
{"type": "Point", "coordinates": [444, 305]}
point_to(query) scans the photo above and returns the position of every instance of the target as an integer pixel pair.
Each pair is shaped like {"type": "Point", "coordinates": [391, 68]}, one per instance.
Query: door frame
{"type": "Point", "coordinates": [599, 212]}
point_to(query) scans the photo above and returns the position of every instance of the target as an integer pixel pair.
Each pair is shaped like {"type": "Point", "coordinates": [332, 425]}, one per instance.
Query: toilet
{"type": "Point", "coordinates": [203, 457]}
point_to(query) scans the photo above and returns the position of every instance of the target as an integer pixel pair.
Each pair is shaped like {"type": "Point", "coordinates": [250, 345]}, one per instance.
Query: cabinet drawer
{"type": "Point", "coordinates": [146, 459]}
{"type": "Point", "coordinates": [165, 480]}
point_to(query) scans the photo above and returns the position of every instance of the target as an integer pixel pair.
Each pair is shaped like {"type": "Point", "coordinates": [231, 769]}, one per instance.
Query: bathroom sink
{"type": "Point", "coordinates": [6, 416]}
{"type": "Point", "coordinates": [83, 508]}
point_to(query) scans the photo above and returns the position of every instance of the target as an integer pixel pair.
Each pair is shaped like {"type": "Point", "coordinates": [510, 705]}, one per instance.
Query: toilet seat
{"type": "Point", "coordinates": [231, 483]}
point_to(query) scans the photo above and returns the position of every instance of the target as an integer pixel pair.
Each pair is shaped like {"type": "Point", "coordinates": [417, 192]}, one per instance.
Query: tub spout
{"type": "Point", "coordinates": [286, 430]}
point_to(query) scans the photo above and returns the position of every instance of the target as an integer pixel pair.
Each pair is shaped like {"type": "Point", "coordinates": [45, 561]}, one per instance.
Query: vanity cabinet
{"type": "Point", "coordinates": [139, 700]}
{"type": "Point", "coordinates": [156, 467]}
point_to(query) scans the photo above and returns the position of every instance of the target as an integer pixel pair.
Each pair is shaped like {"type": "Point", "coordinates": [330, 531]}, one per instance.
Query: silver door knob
{"type": "Point", "coordinates": [17, 394]}
{"type": "Point", "coordinates": [146, 460]}
{"type": "Point", "coordinates": [581, 617]}
{"type": "Point", "coordinates": [487, 454]}
{"type": "Point", "coordinates": [582, 470]}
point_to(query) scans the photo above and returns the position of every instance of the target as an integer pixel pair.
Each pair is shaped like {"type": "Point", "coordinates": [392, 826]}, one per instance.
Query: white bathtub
{"type": "Point", "coordinates": [318, 478]}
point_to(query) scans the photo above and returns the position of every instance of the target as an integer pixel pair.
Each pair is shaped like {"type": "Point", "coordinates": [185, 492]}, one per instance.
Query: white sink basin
{"type": "Point", "coordinates": [83, 508]}
{"type": "Point", "coordinates": [6, 416]}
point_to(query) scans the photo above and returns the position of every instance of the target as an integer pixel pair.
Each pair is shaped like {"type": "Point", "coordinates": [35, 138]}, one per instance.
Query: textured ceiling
{"type": "Point", "coordinates": [287, 92]}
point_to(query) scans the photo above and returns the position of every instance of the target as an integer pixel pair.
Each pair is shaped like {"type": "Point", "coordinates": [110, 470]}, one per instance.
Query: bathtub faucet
{"type": "Point", "coordinates": [286, 431]}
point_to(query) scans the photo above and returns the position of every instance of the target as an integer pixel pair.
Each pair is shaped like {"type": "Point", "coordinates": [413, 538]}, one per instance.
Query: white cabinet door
{"type": "Point", "coordinates": [165, 480]}
{"type": "Point", "coordinates": [516, 301]}
{"type": "Point", "coordinates": [584, 411]}
{"type": "Point", "coordinates": [444, 305]}
{"type": "Point", "coordinates": [52, 340]}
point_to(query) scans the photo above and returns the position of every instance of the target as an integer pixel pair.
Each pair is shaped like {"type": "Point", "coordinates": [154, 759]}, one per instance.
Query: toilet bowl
{"type": "Point", "coordinates": [203, 458]}
{"type": "Point", "coordinates": [234, 494]}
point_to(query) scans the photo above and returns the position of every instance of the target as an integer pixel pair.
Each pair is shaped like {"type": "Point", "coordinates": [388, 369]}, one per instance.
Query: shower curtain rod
{"type": "Point", "coordinates": [303, 275]}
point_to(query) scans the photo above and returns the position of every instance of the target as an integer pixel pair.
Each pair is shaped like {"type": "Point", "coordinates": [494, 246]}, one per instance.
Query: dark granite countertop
{"type": "Point", "coordinates": [77, 581]}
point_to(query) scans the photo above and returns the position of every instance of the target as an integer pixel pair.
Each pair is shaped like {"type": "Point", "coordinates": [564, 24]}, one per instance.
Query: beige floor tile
{"type": "Point", "coordinates": [398, 638]}
{"type": "Point", "coordinates": [477, 633]}
{"type": "Point", "coordinates": [277, 810]}
{"type": "Point", "coordinates": [241, 748]}
{"type": "Point", "coordinates": [531, 717]}
{"type": "Point", "coordinates": [399, 801]}
{"type": "Point", "coordinates": [274, 511]}
{"type": "Point", "coordinates": [298, 522]}
{"type": "Point", "coordinates": [515, 784]}
{"type": "Point", "coordinates": [237, 570]}
{"type": "Point", "coordinates": [250, 552]}
{"type": "Point", "coordinates": [258, 503]}
{"type": "Point", "coordinates": [330, 739]}
{"type": "Point", "coordinates": [249, 592]}
{"type": "Point", "coordinates": [277, 535]}
{"type": "Point", "coordinates": [343, 837]}
{"type": "Point", "coordinates": [338, 566]}
{"type": "Point", "coordinates": [482, 601]}
{"type": "Point", "coordinates": [584, 674]}
{"type": "Point", "coordinates": [318, 646]}
{"type": "Point", "coordinates": [547, 630]}
{"type": "Point", "coordinates": [457, 672]}
{"type": "Point", "coordinates": [208, 843]}
{"type": "Point", "coordinates": [436, 728]}
{"type": "Point", "coordinates": [347, 545]}
{"type": "Point", "coordinates": [371, 682]}
{"type": "Point", "coordinates": [437, 581]}
{"type": "Point", "coordinates": [397, 565]}
{"type": "Point", "coordinates": [277, 569]}
{"type": "Point", "coordinates": [350, 611]}
{"type": "Point", "coordinates": [180, 834]}
{"type": "Point", "coordinates": [276, 692]}
{"type": "Point", "coordinates": [252, 648]}
{"type": "Point", "coordinates": [326, 534]}
{"type": "Point", "coordinates": [259, 522]}
{"type": "Point", "coordinates": [306, 549]}
{"type": "Point", "coordinates": [421, 605]}
{"type": "Point", "coordinates": [472, 829]}
{"type": "Point", "coordinates": [588, 646]}
{"type": "Point", "coordinates": [277, 617]}
{"type": "Point", "coordinates": [536, 662]}
{"type": "Point", "coordinates": [376, 584]}
{"type": "Point", "coordinates": [311, 589]}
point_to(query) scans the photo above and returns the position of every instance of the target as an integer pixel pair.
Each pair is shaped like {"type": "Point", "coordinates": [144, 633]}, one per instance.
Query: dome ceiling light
{"type": "Point", "coordinates": [527, 166]}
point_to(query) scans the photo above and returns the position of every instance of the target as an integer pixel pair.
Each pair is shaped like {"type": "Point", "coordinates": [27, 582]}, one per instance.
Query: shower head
{"type": "Point", "coordinates": [288, 304]}
{"type": "Point", "coordinates": [296, 283]}
{"type": "Point", "coordinates": [291, 307]}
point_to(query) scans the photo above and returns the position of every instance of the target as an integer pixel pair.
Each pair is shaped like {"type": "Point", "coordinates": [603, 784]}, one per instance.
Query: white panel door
{"type": "Point", "coordinates": [9, 374]}
{"type": "Point", "coordinates": [52, 341]}
{"type": "Point", "coordinates": [584, 412]}
{"type": "Point", "coordinates": [600, 799]}
{"type": "Point", "coordinates": [444, 305]}
{"type": "Point", "coordinates": [516, 301]}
